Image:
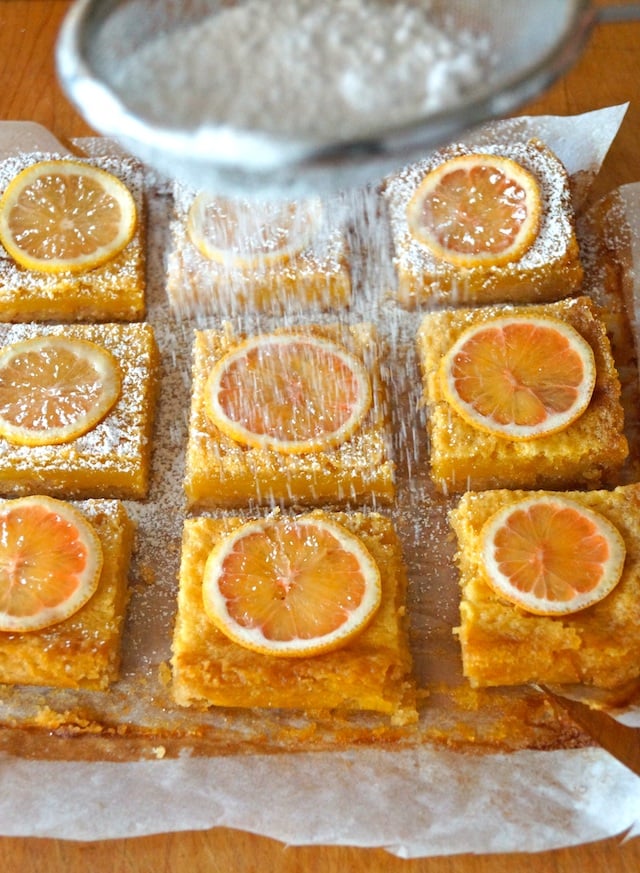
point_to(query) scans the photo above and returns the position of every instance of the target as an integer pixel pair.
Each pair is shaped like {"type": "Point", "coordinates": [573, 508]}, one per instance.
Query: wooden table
{"type": "Point", "coordinates": [607, 74]}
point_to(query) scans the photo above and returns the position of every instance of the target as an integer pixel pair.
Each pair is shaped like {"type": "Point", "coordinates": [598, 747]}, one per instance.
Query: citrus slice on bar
{"type": "Point", "coordinates": [50, 562]}
{"type": "Point", "coordinates": [291, 587]}
{"type": "Point", "coordinates": [244, 233]}
{"type": "Point", "coordinates": [54, 389]}
{"type": "Point", "coordinates": [551, 555]}
{"type": "Point", "coordinates": [519, 378]}
{"type": "Point", "coordinates": [65, 215]}
{"type": "Point", "coordinates": [476, 210]}
{"type": "Point", "coordinates": [292, 393]}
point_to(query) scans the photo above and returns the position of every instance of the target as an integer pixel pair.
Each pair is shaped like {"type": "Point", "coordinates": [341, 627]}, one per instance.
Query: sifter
{"type": "Point", "coordinates": [286, 98]}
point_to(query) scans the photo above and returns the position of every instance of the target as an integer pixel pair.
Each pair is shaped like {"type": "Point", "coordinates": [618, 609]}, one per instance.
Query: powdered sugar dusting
{"type": "Point", "coordinates": [141, 697]}
{"type": "Point", "coordinates": [549, 250]}
{"type": "Point", "coordinates": [113, 291]}
{"type": "Point", "coordinates": [317, 277]}
{"type": "Point", "coordinates": [113, 457]}
{"type": "Point", "coordinates": [298, 68]}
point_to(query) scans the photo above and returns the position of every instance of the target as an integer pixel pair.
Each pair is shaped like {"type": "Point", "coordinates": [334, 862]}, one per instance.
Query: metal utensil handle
{"type": "Point", "coordinates": [611, 14]}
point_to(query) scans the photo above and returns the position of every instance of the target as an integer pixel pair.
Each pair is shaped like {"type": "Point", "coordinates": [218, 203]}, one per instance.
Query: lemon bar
{"type": "Point", "coordinates": [82, 651]}
{"type": "Point", "coordinates": [223, 472]}
{"type": "Point", "coordinates": [372, 671]}
{"type": "Point", "coordinates": [589, 451]}
{"type": "Point", "coordinates": [606, 241]}
{"type": "Point", "coordinates": [316, 277]}
{"type": "Point", "coordinates": [549, 270]}
{"type": "Point", "coordinates": [113, 458]}
{"type": "Point", "coordinates": [114, 291]}
{"type": "Point", "coordinates": [504, 645]}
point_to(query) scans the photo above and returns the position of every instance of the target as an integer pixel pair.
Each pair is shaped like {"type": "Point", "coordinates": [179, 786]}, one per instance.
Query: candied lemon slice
{"type": "Point", "coordinates": [244, 233]}
{"type": "Point", "coordinates": [54, 388]}
{"type": "Point", "coordinates": [65, 215]}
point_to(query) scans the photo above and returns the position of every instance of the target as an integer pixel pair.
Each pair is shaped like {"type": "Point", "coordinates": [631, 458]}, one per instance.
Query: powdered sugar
{"type": "Point", "coordinates": [429, 279]}
{"type": "Point", "coordinates": [113, 457]}
{"type": "Point", "coordinates": [114, 290]}
{"type": "Point", "coordinates": [328, 71]}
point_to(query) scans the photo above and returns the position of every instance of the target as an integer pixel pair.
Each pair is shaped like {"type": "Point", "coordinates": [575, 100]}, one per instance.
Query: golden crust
{"type": "Point", "coordinates": [371, 672]}
{"type": "Point", "coordinates": [83, 651]}
{"type": "Point", "coordinates": [587, 453]}
{"type": "Point", "coordinates": [113, 458]}
{"type": "Point", "coordinates": [221, 472]}
{"type": "Point", "coordinates": [503, 645]}
{"type": "Point", "coordinates": [112, 292]}
{"type": "Point", "coordinates": [549, 270]}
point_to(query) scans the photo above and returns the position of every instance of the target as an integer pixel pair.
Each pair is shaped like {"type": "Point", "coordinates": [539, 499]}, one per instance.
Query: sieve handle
{"type": "Point", "coordinates": [626, 12]}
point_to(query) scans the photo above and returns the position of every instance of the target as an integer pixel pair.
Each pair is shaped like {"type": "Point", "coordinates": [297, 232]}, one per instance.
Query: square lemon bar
{"type": "Point", "coordinates": [112, 459]}
{"type": "Point", "coordinates": [589, 451]}
{"type": "Point", "coordinates": [223, 472]}
{"type": "Point", "coordinates": [114, 291]}
{"type": "Point", "coordinates": [315, 277]}
{"type": "Point", "coordinates": [82, 651]}
{"type": "Point", "coordinates": [549, 270]}
{"type": "Point", "coordinates": [503, 644]}
{"type": "Point", "coordinates": [372, 671]}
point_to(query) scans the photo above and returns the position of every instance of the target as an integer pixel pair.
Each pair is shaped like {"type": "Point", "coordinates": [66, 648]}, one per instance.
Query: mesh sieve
{"type": "Point", "coordinates": [183, 113]}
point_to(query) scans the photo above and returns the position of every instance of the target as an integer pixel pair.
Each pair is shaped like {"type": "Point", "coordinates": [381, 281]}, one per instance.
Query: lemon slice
{"type": "Point", "coordinates": [53, 389]}
{"type": "Point", "coordinates": [476, 210]}
{"type": "Point", "coordinates": [65, 216]}
{"type": "Point", "coordinates": [552, 556]}
{"type": "Point", "coordinates": [291, 587]}
{"type": "Point", "coordinates": [519, 378]}
{"type": "Point", "coordinates": [50, 562]}
{"type": "Point", "coordinates": [292, 393]}
{"type": "Point", "coordinates": [241, 233]}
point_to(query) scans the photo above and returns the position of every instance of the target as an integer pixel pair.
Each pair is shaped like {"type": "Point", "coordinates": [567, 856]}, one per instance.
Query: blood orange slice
{"type": "Point", "coordinates": [291, 587]}
{"type": "Point", "coordinates": [50, 562]}
{"type": "Point", "coordinates": [292, 393]}
{"type": "Point", "coordinates": [476, 210]}
{"type": "Point", "coordinates": [519, 378]}
{"type": "Point", "coordinates": [551, 555]}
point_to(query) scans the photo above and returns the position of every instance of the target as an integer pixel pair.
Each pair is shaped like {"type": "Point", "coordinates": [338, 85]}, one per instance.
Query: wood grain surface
{"type": "Point", "coordinates": [608, 73]}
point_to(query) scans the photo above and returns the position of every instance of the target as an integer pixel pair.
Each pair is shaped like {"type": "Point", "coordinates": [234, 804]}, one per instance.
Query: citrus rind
{"type": "Point", "coordinates": [251, 235]}
{"type": "Point", "coordinates": [33, 396]}
{"type": "Point", "coordinates": [305, 396]}
{"type": "Point", "coordinates": [519, 538]}
{"type": "Point", "coordinates": [468, 227]}
{"type": "Point", "coordinates": [517, 393]}
{"type": "Point", "coordinates": [249, 633]}
{"type": "Point", "coordinates": [66, 216]}
{"type": "Point", "coordinates": [28, 600]}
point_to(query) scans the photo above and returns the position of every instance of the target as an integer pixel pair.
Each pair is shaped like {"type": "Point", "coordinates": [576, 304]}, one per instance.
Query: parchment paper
{"type": "Point", "coordinates": [414, 800]}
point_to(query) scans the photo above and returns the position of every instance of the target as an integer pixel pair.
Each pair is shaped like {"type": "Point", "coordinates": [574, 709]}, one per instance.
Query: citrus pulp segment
{"type": "Point", "coordinates": [551, 555]}
{"type": "Point", "coordinates": [519, 378]}
{"type": "Point", "coordinates": [476, 210]}
{"type": "Point", "coordinates": [292, 393]}
{"type": "Point", "coordinates": [50, 562]}
{"type": "Point", "coordinates": [64, 215]}
{"type": "Point", "coordinates": [291, 587]}
{"type": "Point", "coordinates": [54, 388]}
{"type": "Point", "coordinates": [244, 233]}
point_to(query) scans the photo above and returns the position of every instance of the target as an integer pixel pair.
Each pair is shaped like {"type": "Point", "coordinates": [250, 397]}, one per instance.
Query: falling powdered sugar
{"type": "Point", "coordinates": [296, 68]}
